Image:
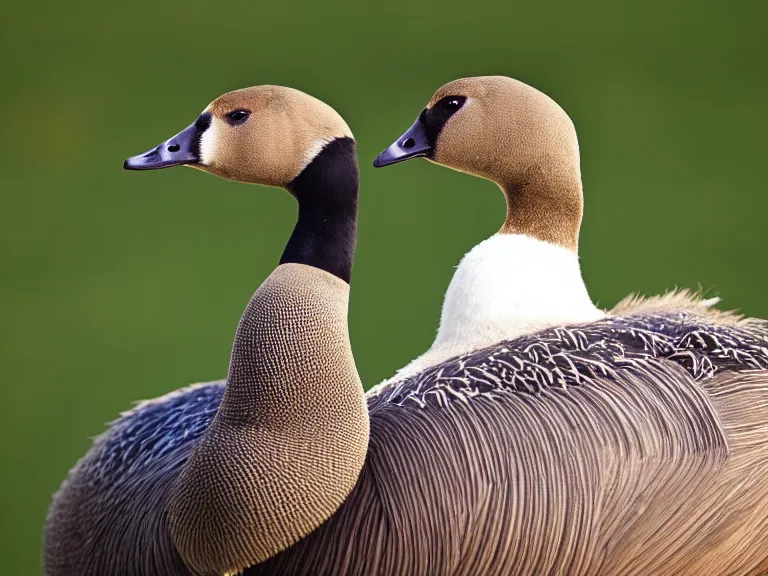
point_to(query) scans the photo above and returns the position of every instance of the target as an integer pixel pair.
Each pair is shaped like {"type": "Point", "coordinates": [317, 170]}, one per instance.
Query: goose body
{"type": "Point", "coordinates": [630, 445]}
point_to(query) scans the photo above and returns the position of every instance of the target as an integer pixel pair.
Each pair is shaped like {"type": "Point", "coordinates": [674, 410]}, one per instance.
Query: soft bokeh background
{"type": "Point", "coordinates": [117, 286]}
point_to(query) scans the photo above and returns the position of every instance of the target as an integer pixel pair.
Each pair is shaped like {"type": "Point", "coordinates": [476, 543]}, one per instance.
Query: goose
{"type": "Point", "coordinates": [215, 477]}
{"type": "Point", "coordinates": [527, 276]}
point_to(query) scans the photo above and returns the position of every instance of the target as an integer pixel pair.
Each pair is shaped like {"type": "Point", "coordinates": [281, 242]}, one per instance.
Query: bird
{"type": "Point", "coordinates": [215, 477]}
{"type": "Point", "coordinates": [527, 276]}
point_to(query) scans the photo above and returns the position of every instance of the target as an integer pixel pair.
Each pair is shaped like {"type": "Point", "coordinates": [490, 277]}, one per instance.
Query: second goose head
{"type": "Point", "coordinates": [503, 130]}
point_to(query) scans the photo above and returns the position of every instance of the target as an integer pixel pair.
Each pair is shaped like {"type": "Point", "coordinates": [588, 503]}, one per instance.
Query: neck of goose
{"type": "Point", "coordinates": [505, 287]}
{"type": "Point", "coordinates": [545, 204]}
{"type": "Point", "coordinates": [327, 190]}
{"type": "Point", "coordinates": [291, 434]}
{"type": "Point", "coordinates": [524, 279]}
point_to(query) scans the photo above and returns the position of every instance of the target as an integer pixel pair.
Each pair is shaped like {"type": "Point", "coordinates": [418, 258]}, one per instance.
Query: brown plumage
{"type": "Point", "coordinates": [516, 136]}
{"type": "Point", "coordinates": [290, 435]}
{"type": "Point", "coordinates": [286, 129]}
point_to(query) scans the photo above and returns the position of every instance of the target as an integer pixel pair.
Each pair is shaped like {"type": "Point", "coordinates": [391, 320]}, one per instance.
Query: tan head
{"type": "Point", "coordinates": [508, 132]}
{"type": "Point", "coordinates": [263, 135]}
{"type": "Point", "coordinates": [282, 137]}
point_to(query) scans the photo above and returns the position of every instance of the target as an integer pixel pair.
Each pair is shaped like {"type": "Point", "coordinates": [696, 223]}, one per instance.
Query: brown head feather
{"type": "Point", "coordinates": [285, 130]}
{"type": "Point", "coordinates": [518, 137]}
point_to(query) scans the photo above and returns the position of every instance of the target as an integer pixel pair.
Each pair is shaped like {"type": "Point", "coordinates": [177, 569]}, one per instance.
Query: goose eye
{"type": "Point", "coordinates": [453, 102]}
{"type": "Point", "coordinates": [237, 116]}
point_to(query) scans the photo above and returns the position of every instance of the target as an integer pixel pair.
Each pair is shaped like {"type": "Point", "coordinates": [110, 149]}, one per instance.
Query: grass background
{"type": "Point", "coordinates": [118, 286]}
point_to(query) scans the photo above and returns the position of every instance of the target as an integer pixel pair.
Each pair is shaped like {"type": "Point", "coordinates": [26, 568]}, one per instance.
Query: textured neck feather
{"type": "Point", "coordinates": [507, 286]}
{"type": "Point", "coordinates": [290, 437]}
{"type": "Point", "coordinates": [546, 203]}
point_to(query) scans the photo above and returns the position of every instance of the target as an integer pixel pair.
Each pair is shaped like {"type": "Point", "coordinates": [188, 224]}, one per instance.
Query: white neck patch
{"type": "Point", "coordinates": [507, 286]}
{"type": "Point", "coordinates": [314, 149]}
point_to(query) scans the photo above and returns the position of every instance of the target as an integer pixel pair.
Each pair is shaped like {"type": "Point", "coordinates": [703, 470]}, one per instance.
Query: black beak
{"type": "Point", "coordinates": [412, 144]}
{"type": "Point", "coordinates": [184, 148]}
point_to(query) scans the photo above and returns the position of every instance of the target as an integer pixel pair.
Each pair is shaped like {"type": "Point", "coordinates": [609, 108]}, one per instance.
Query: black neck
{"type": "Point", "coordinates": [326, 231]}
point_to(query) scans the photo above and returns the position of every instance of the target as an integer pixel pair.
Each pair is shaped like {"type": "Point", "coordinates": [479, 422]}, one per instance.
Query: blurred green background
{"type": "Point", "coordinates": [118, 286]}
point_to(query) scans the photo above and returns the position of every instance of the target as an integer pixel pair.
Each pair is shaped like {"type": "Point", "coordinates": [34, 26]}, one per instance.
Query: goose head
{"type": "Point", "coordinates": [261, 135]}
{"type": "Point", "coordinates": [503, 130]}
{"type": "Point", "coordinates": [279, 136]}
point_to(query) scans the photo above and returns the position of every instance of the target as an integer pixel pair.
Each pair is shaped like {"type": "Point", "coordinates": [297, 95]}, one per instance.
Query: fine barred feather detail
{"type": "Point", "coordinates": [565, 356]}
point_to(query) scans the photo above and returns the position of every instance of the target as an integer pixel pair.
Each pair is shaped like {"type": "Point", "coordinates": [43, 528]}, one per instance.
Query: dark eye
{"type": "Point", "coordinates": [453, 102]}
{"type": "Point", "coordinates": [238, 116]}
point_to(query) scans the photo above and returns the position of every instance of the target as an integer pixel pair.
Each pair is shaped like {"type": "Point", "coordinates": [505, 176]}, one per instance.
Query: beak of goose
{"type": "Point", "coordinates": [184, 148]}
{"type": "Point", "coordinates": [412, 144]}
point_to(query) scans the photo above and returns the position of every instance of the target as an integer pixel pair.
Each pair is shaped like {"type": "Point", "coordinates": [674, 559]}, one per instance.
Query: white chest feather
{"type": "Point", "coordinates": [507, 286]}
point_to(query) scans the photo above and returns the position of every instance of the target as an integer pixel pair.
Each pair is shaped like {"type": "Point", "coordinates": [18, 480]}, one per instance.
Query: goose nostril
{"type": "Point", "coordinates": [408, 143]}
{"type": "Point", "coordinates": [174, 148]}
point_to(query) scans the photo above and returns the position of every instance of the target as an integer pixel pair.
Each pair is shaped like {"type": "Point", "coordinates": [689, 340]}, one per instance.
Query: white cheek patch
{"type": "Point", "coordinates": [208, 143]}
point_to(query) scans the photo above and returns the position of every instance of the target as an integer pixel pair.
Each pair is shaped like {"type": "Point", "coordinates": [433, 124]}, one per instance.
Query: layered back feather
{"type": "Point", "coordinates": [637, 444]}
